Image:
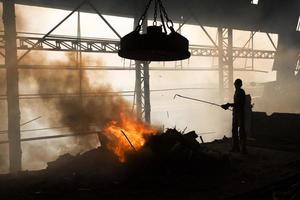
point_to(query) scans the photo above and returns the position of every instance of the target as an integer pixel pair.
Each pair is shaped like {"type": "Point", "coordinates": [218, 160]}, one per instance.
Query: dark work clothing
{"type": "Point", "coordinates": [239, 100]}
{"type": "Point", "coordinates": [238, 118]}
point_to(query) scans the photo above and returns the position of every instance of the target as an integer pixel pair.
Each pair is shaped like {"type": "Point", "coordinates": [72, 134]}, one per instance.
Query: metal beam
{"type": "Point", "coordinates": [225, 42]}
{"type": "Point", "coordinates": [122, 68]}
{"type": "Point", "coordinates": [68, 44]}
{"type": "Point", "coordinates": [101, 16]}
{"type": "Point", "coordinates": [12, 89]}
{"type": "Point", "coordinates": [53, 29]}
{"type": "Point", "coordinates": [271, 40]}
{"type": "Point", "coordinates": [243, 15]}
{"type": "Point", "coordinates": [41, 40]}
{"type": "Point", "coordinates": [96, 45]}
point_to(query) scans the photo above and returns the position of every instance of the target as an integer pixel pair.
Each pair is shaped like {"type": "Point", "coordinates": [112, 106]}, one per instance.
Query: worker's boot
{"type": "Point", "coordinates": [243, 140]}
{"type": "Point", "coordinates": [235, 149]}
{"type": "Point", "coordinates": [235, 142]}
{"type": "Point", "coordinates": [243, 146]}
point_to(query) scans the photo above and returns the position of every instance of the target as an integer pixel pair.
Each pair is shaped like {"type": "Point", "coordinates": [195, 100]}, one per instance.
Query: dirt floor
{"type": "Point", "coordinates": [261, 174]}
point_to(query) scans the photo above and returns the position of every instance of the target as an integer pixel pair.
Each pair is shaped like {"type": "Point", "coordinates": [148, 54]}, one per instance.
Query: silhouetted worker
{"type": "Point", "coordinates": [238, 118]}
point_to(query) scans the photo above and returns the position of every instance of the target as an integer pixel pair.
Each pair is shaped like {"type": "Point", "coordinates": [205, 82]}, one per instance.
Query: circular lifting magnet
{"type": "Point", "coordinates": [154, 45]}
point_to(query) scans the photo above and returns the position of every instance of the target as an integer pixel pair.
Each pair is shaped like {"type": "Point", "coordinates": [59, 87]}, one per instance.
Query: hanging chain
{"type": "Point", "coordinates": [169, 22]}
{"type": "Point", "coordinates": [163, 14]}
{"type": "Point", "coordinates": [162, 19]}
{"type": "Point", "coordinates": [142, 18]}
{"type": "Point", "coordinates": [155, 13]}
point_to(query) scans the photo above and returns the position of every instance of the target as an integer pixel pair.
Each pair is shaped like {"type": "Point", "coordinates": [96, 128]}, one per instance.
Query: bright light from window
{"type": "Point", "coordinates": [298, 25]}
{"type": "Point", "coordinates": [255, 2]}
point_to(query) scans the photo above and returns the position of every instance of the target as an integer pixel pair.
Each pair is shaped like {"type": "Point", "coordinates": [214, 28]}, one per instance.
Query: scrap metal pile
{"type": "Point", "coordinates": [167, 153]}
{"type": "Point", "coordinates": [169, 165]}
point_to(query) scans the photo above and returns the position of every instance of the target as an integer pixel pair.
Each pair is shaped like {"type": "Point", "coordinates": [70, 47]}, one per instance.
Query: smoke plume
{"type": "Point", "coordinates": [62, 105]}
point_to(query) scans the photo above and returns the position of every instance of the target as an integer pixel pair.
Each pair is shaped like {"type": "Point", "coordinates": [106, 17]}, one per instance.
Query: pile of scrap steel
{"type": "Point", "coordinates": [167, 153]}
{"type": "Point", "coordinates": [170, 165]}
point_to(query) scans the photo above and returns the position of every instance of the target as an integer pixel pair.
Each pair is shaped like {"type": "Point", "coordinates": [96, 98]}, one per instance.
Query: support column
{"type": "Point", "coordinates": [142, 85]}
{"type": "Point", "coordinates": [15, 154]}
{"type": "Point", "coordinates": [147, 106]}
{"type": "Point", "coordinates": [230, 62]}
{"type": "Point", "coordinates": [221, 63]}
{"type": "Point", "coordinates": [225, 45]}
{"type": "Point", "coordinates": [142, 90]}
{"type": "Point", "coordinates": [138, 89]}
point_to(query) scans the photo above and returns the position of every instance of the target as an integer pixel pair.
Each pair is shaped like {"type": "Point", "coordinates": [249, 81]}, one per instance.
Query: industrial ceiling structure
{"type": "Point", "coordinates": [273, 16]}
{"type": "Point", "coordinates": [270, 16]}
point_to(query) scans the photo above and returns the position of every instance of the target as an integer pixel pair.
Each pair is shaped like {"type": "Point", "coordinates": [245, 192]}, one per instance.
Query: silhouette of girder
{"type": "Point", "coordinates": [69, 44]}
{"type": "Point", "coordinates": [90, 45]}
{"type": "Point", "coordinates": [272, 16]}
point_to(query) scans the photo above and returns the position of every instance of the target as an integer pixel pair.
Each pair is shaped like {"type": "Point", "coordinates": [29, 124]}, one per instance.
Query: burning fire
{"type": "Point", "coordinates": [129, 134]}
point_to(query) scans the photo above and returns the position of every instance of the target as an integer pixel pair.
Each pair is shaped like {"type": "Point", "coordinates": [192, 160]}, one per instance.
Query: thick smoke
{"type": "Point", "coordinates": [78, 115]}
{"type": "Point", "coordinates": [61, 105]}
{"type": "Point", "coordinates": [77, 112]}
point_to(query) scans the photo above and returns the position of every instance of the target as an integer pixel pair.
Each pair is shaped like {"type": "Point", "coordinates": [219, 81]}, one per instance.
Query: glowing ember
{"type": "Point", "coordinates": [127, 135]}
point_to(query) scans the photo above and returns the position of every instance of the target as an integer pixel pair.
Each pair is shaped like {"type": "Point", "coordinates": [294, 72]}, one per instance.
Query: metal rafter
{"type": "Point", "coordinates": [62, 43]}
{"type": "Point", "coordinates": [121, 68]}
{"type": "Point", "coordinates": [69, 44]}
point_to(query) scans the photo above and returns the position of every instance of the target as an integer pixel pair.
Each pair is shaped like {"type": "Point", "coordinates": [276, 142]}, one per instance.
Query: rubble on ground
{"type": "Point", "coordinates": [170, 152]}
{"type": "Point", "coordinates": [170, 165]}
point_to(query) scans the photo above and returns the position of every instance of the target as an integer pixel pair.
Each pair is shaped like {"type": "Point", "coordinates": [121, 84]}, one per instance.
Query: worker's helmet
{"type": "Point", "coordinates": [238, 83]}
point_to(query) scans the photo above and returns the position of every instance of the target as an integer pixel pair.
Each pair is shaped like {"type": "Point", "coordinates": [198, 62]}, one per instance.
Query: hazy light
{"type": "Point", "coordinates": [255, 2]}
{"type": "Point", "coordinates": [298, 25]}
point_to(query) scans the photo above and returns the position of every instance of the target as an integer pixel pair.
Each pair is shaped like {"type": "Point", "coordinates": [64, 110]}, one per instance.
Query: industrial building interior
{"type": "Point", "coordinates": [140, 99]}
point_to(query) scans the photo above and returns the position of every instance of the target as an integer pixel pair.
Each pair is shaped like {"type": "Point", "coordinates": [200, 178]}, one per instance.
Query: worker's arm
{"type": "Point", "coordinates": [227, 105]}
{"type": "Point", "coordinates": [238, 102]}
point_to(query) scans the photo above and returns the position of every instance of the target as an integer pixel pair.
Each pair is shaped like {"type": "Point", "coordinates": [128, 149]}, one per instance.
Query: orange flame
{"type": "Point", "coordinates": [128, 134]}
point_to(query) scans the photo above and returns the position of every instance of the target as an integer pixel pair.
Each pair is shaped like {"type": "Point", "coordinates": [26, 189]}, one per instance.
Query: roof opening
{"type": "Point", "coordinates": [255, 2]}
{"type": "Point", "coordinates": [298, 25]}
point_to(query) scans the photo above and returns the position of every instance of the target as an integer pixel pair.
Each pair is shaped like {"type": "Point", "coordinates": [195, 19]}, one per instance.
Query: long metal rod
{"type": "Point", "coordinates": [190, 98]}
{"type": "Point", "coordinates": [53, 29]}
{"type": "Point", "coordinates": [31, 121]}
{"type": "Point", "coordinates": [6, 131]}
{"type": "Point", "coordinates": [202, 101]}
{"type": "Point", "coordinates": [53, 137]}
{"type": "Point", "coordinates": [128, 140]}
